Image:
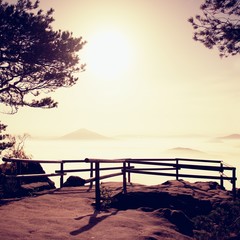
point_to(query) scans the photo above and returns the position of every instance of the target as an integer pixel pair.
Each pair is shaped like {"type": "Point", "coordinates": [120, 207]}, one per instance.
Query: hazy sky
{"type": "Point", "coordinates": [145, 74]}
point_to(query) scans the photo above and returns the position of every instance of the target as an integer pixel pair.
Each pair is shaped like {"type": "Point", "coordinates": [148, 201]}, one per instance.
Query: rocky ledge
{"type": "Point", "coordinates": [189, 206]}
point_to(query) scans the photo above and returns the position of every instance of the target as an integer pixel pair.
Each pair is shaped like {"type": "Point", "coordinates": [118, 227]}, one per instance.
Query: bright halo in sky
{"type": "Point", "coordinates": [109, 54]}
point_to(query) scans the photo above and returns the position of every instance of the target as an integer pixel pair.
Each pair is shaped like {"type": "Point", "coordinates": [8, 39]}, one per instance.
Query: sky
{"type": "Point", "coordinates": [145, 75]}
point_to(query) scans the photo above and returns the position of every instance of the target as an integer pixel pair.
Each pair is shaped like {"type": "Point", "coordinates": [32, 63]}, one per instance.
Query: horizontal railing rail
{"type": "Point", "coordinates": [30, 160]}
{"type": "Point", "coordinates": [35, 175]}
{"type": "Point", "coordinates": [173, 159]}
{"type": "Point", "coordinates": [140, 171]}
{"type": "Point", "coordinates": [188, 166]}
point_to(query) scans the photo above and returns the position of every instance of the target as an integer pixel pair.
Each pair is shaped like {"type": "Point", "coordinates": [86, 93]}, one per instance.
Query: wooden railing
{"type": "Point", "coordinates": [174, 164]}
{"type": "Point", "coordinates": [157, 167]}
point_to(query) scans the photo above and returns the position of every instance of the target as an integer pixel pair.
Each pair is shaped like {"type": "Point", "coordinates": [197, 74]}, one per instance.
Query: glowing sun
{"type": "Point", "coordinates": [109, 54]}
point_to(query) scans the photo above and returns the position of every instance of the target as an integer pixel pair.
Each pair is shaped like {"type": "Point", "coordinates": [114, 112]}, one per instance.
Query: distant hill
{"type": "Point", "coordinates": [83, 134]}
{"type": "Point", "coordinates": [186, 152]}
{"type": "Point", "coordinates": [232, 136]}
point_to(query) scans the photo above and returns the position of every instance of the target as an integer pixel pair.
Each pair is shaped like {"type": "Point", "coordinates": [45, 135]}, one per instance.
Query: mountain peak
{"type": "Point", "coordinates": [83, 133]}
{"type": "Point", "coordinates": [232, 136]}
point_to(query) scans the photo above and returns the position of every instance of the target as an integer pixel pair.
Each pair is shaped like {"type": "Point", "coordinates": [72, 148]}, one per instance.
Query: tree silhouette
{"type": "Point", "coordinates": [34, 59]}
{"type": "Point", "coordinates": [219, 26]}
{"type": "Point", "coordinates": [6, 141]}
{"type": "Point", "coordinates": [17, 149]}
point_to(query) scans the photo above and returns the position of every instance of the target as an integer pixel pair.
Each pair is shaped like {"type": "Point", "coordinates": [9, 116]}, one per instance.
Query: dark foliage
{"type": "Point", "coordinates": [5, 140]}
{"type": "Point", "coordinates": [219, 26]}
{"type": "Point", "coordinates": [222, 223]}
{"type": "Point", "coordinates": [34, 59]}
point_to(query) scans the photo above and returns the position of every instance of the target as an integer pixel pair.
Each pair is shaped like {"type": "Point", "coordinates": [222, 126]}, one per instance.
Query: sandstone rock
{"type": "Point", "coordinates": [134, 200]}
{"type": "Point", "coordinates": [176, 201]}
{"type": "Point", "coordinates": [160, 199]}
{"type": "Point", "coordinates": [183, 223]}
{"type": "Point", "coordinates": [36, 187]}
{"type": "Point", "coordinates": [13, 187]}
{"type": "Point", "coordinates": [238, 193]}
{"type": "Point", "coordinates": [74, 181]}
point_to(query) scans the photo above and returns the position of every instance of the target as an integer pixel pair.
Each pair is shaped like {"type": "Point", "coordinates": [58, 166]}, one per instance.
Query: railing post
{"type": "Point", "coordinates": [234, 183]}
{"type": "Point", "coordinates": [19, 168]}
{"type": "Point", "coordinates": [97, 186]}
{"type": "Point", "coordinates": [177, 169]}
{"type": "Point", "coordinates": [129, 173]}
{"type": "Point", "coordinates": [221, 175]}
{"type": "Point", "coordinates": [61, 177]}
{"type": "Point", "coordinates": [91, 173]}
{"type": "Point", "coordinates": [124, 178]}
{"type": "Point", "coordinates": [19, 171]}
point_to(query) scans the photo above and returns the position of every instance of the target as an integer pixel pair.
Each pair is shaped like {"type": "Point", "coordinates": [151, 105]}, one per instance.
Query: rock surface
{"type": "Point", "coordinates": [68, 213]}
